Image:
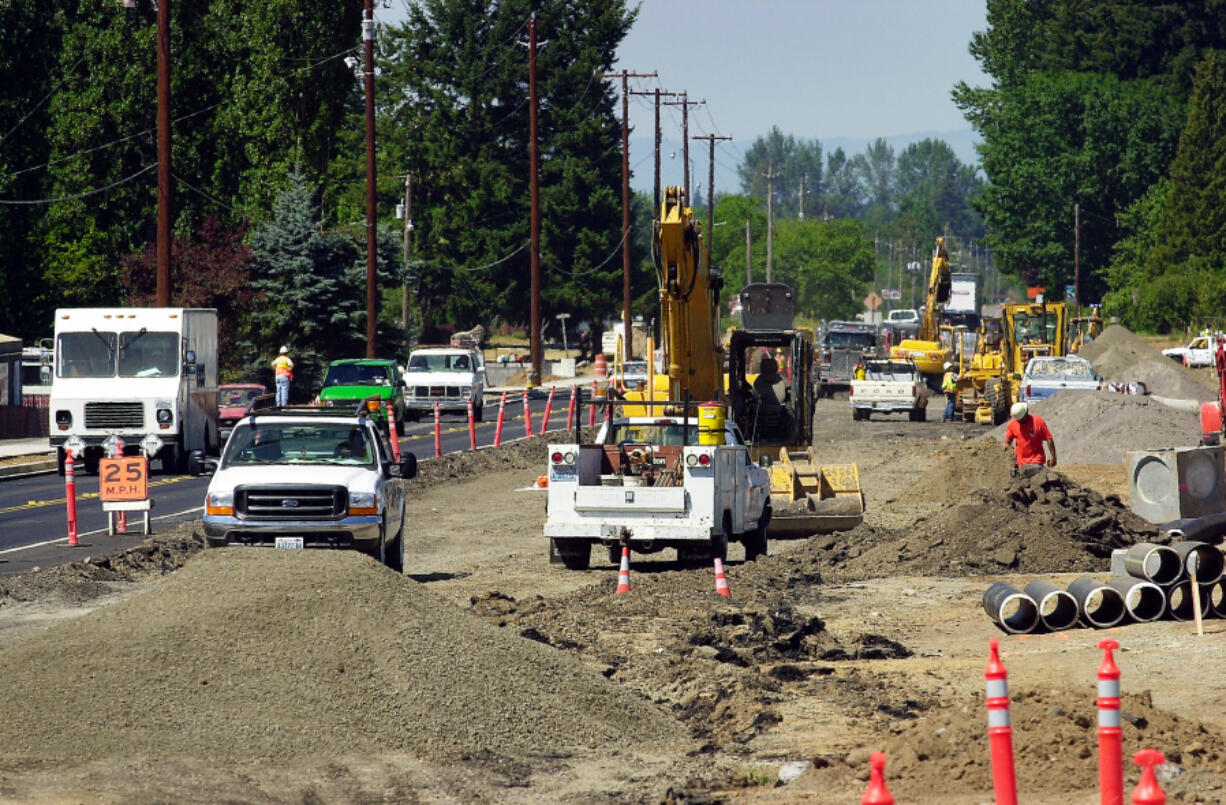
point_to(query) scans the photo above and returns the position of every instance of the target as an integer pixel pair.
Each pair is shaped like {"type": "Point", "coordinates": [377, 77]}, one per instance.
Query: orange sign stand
{"type": "Point", "coordinates": [123, 485]}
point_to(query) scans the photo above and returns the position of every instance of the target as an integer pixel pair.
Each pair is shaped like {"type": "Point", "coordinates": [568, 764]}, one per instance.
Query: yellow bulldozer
{"type": "Point", "coordinates": [988, 384]}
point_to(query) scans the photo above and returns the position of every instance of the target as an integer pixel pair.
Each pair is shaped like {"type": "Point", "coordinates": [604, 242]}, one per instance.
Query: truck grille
{"type": "Point", "coordinates": [453, 392]}
{"type": "Point", "coordinates": [114, 415]}
{"type": "Point", "coordinates": [290, 502]}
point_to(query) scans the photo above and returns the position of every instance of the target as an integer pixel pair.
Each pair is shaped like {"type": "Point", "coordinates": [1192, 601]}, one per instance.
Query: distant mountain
{"type": "Point", "coordinates": [961, 141]}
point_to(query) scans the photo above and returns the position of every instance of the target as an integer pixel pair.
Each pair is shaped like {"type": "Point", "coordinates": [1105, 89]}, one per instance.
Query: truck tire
{"type": "Point", "coordinates": [719, 546]}
{"type": "Point", "coordinates": [479, 412]}
{"type": "Point", "coordinates": [60, 458]}
{"type": "Point", "coordinates": [400, 417]}
{"type": "Point", "coordinates": [92, 457]}
{"type": "Point", "coordinates": [575, 554]}
{"type": "Point", "coordinates": [393, 555]}
{"type": "Point", "coordinates": [755, 540]}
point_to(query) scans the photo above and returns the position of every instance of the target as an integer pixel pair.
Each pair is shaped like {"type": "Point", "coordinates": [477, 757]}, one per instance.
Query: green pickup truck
{"type": "Point", "coordinates": [352, 379]}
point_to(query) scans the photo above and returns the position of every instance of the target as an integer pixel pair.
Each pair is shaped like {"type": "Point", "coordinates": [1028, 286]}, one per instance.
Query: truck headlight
{"type": "Point", "coordinates": [219, 503]}
{"type": "Point", "coordinates": [164, 417]}
{"type": "Point", "coordinates": [468, 392]}
{"type": "Point", "coordinates": [362, 503]}
{"type": "Point", "coordinates": [63, 419]}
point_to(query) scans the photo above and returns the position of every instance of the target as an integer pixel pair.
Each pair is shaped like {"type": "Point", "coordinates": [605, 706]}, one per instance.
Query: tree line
{"type": "Point", "coordinates": [1110, 113]}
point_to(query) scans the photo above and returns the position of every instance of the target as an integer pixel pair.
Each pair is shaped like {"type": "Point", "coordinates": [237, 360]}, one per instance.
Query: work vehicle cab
{"type": "Point", "coordinates": [449, 376]}
{"type": "Point", "coordinates": [310, 477]}
{"type": "Point", "coordinates": [348, 381]}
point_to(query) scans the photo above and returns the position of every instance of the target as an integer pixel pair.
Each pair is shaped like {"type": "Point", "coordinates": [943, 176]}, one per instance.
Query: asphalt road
{"type": "Point", "coordinates": [33, 510]}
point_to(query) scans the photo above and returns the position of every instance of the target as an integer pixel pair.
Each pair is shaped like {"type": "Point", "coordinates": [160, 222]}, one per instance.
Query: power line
{"type": "Point", "coordinates": [606, 261]}
{"type": "Point", "coordinates": [93, 192]}
{"type": "Point", "coordinates": [36, 106]}
{"type": "Point", "coordinates": [191, 186]}
{"type": "Point", "coordinates": [496, 262]}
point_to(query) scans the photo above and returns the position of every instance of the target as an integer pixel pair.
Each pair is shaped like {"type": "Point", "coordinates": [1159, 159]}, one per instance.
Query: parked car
{"type": "Point", "coordinates": [353, 379]}
{"type": "Point", "coordinates": [1045, 375]}
{"type": "Point", "coordinates": [1198, 353]}
{"type": "Point", "coordinates": [232, 402]}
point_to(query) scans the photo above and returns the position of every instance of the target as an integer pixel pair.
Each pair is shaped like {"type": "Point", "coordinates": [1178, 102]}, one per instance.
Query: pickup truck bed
{"type": "Point", "coordinates": [890, 387]}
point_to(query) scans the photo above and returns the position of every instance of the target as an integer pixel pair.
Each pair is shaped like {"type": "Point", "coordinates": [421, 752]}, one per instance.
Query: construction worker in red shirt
{"type": "Point", "coordinates": [1029, 435]}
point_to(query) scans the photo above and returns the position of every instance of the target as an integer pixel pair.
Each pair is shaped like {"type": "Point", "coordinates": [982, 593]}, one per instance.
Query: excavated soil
{"type": "Point", "coordinates": [486, 674]}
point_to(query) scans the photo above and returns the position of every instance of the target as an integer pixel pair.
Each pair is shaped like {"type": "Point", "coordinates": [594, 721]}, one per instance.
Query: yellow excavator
{"type": "Point", "coordinates": [989, 386]}
{"type": "Point", "coordinates": [803, 494]}
{"type": "Point", "coordinates": [1084, 329]}
{"type": "Point", "coordinates": [927, 350]}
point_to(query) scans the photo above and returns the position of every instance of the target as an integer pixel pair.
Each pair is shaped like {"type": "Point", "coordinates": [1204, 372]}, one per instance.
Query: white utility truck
{"type": "Point", "coordinates": [449, 376]}
{"type": "Point", "coordinates": [646, 483]}
{"type": "Point", "coordinates": [143, 375]}
{"type": "Point", "coordinates": [889, 386]}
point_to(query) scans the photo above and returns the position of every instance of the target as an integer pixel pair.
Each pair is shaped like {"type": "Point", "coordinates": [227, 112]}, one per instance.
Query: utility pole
{"type": "Point", "coordinates": [1077, 259]}
{"type": "Point", "coordinates": [802, 197]}
{"type": "Point", "coordinates": [163, 113]}
{"type": "Point", "coordinates": [534, 376]}
{"type": "Point", "coordinates": [770, 219]}
{"type": "Point", "coordinates": [685, 103]}
{"type": "Point", "coordinates": [624, 75]}
{"type": "Point", "coordinates": [711, 140]}
{"type": "Point", "coordinates": [372, 311]}
{"type": "Point", "coordinates": [748, 255]}
{"type": "Point", "coordinates": [408, 230]}
{"type": "Point", "coordinates": [657, 92]}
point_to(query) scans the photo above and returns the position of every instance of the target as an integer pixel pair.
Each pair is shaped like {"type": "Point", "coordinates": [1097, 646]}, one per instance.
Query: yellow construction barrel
{"type": "Point", "coordinates": [711, 417]}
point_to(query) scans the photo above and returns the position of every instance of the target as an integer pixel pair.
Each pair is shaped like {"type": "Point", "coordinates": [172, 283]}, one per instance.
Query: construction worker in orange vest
{"type": "Point", "coordinates": [284, 369]}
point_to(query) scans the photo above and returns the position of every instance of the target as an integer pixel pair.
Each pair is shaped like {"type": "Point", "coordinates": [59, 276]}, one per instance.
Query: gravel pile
{"type": "Point", "coordinates": [1166, 379]}
{"type": "Point", "coordinates": [230, 658]}
{"type": "Point", "coordinates": [1118, 349]}
{"type": "Point", "coordinates": [1100, 427]}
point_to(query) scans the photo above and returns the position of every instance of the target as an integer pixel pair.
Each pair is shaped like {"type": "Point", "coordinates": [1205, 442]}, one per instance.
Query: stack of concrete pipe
{"type": "Point", "coordinates": [1148, 582]}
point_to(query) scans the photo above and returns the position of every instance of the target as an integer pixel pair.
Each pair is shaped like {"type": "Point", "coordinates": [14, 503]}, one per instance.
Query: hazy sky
{"type": "Point", "coordinates": [825, 69]}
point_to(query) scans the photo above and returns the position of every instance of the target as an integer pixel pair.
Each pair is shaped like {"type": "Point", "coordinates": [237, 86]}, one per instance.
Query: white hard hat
{"type": "Point", "coordinates": [284, 350]}
{"type": "Point", "coordinates": [1018, 410]}
{"type": "Point", "coordinates": [948, 365]}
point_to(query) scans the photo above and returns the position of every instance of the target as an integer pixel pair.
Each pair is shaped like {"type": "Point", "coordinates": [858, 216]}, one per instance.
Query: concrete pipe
{"type": "Point", "coordinates": [1145, 560]}
{"type": "Point", "coordinates": [1179, 601]}
{"type": "Point", "coordinates": [1206, 557]}
{"type": "Point", "coordinates": [1100, 606]}
{"type": "Point", "coordinates": [1213, 596]}
{"type": "Point", "coordinates": [1057, 608]}
{"type": "Point", "coordinates": [1012, 609]}
{"type": "Point", "coordinates": [1143, 600]}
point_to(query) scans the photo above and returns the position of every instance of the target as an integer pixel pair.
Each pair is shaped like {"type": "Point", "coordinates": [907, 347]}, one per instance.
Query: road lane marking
{"type": "Point", "coordinates": [38, 504]}
{"type": "Point", "coordinates": [91, 533]}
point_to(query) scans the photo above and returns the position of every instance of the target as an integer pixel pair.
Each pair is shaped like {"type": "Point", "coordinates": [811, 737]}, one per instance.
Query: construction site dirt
{"type": "Point", "coordinates": [485, 674]}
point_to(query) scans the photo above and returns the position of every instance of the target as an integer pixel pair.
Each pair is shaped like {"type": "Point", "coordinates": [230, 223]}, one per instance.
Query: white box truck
{"type": "Point", "coordinates": [146, 375]}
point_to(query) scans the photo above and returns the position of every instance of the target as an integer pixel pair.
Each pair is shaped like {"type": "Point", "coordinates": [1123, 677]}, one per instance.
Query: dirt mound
{"type": "Point", "coordinates": [1167, 379]}
{"type": "Point", "coordinates": [1054, 745]}
{"type": "Point", "coordinates": [1116, 350]}
{"type": "Point", "coordinates": [516, 455]}
{"type": "Point", "coordinates": [1100, 427]}
{"type": "Point", "coordinates": [1042, 524]}
{"type": "Point", "coordinates": [964, 467]}
{"type": "Point", "coordinates": [247, 655]}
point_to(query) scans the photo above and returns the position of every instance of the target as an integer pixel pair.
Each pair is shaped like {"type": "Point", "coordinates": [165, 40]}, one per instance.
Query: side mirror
{"type": "Point", "coordinates": [408, 465]}
{"type": "Point", "coordinates": [210, 466]}
{"type": "Point", "coordinates": [189, 356]}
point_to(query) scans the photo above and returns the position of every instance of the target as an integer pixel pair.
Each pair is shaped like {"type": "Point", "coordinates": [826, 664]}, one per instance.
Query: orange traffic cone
{"type": "Point", "coordinates": [721, 581]}
{"type": "Point", "coordinates": [877, 793]}
{"type": "Point", "coordinates": [623, 575]}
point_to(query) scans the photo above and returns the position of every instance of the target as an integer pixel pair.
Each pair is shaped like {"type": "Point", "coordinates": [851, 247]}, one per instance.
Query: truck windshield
{"type": "Point", "coordinates": [1031, 329]}
{"type": "Point", "coordinates": [148, 354]}
{"type": "Point", "coordinates": [87, 354]}
{"type": "Point", "coordinates": [356, 374]}
{"type": "Point", "coordinates": [439, 363]}
{"type": "Point", "coordinates": [347, 445]}
{"type": "Point", "coordinates": [861, 340]}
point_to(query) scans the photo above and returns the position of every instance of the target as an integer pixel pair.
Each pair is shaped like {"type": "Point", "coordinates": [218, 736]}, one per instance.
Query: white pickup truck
{"type": "Point", "coordinates": [889, 386]}
{"type": "Point", "coordinates": [1197, 353]}
{"type": "Point", "coordinates": [646, 484]}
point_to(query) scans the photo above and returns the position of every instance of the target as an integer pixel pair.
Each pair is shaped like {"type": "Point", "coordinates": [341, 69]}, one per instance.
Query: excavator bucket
{"type": "Point", "coordinates": [808, 498]}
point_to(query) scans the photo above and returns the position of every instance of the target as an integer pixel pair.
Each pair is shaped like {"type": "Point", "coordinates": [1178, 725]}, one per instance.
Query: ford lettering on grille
{"type": "Point", "coordinates": [289, 503]}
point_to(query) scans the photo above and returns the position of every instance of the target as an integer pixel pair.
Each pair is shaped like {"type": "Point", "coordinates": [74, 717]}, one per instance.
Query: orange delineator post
{"type": "Point", "coordinates": [472, 427]}
{"type": "Point", "coordinates": [502, 415]}
{"type": "Point", "coordinates": [391, 432]}
{"type": "Point", "coordinates": [1000, 733]}
{"type": "Point", "coordinates": [877, 793]}
{"type": "Point", "coordinates": [548, 408]}
{"type": "Point", "coordinates": [570, 411]}
{"type": "Point", "coordinates": [438, 432]}
{"type": "Point", "coordinates": [591, 414]}
{"type": "Point", "coordinates": [70, 495]}
{"type": "Point", "coordinates": [1148, 792]}
{"type": "Point", "coordinates": [1110, 735]}
{"type": "Point", "coordinates": [527, 416]}
{"type": "Point", "coordinates": [121, 517]}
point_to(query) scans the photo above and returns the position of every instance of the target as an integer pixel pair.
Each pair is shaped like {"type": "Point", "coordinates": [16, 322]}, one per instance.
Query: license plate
{"type": "Point", "coordinates": [293, 543]}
